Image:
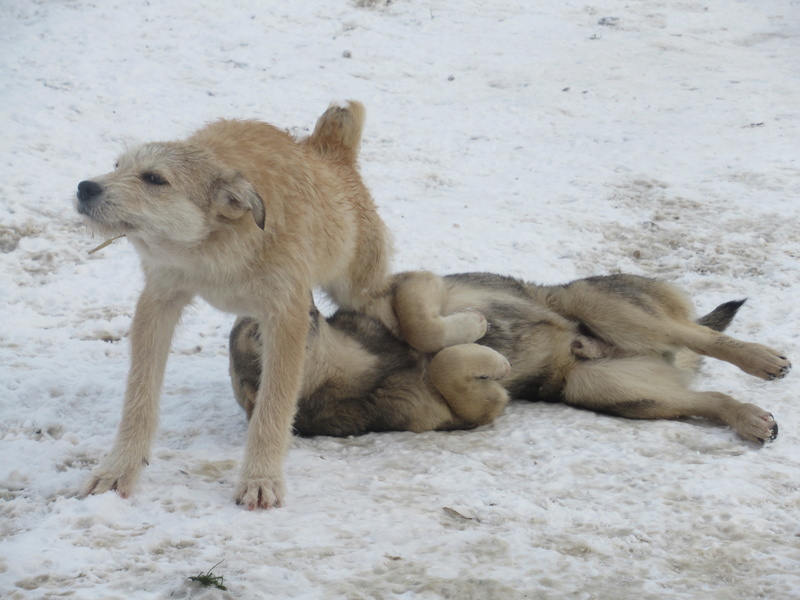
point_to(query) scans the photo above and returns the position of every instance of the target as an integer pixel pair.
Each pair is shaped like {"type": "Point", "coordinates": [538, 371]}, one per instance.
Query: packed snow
{"type": "Point", "coordinates": [545, 140]}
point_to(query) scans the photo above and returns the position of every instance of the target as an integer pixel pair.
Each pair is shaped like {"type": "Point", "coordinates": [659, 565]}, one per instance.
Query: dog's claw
{"type": "Point", "coordinates": [756, 424]}
{"type": "Point", "coordinates": [260, 493]}
{"type": "Point", "coordinates": [773, 431]}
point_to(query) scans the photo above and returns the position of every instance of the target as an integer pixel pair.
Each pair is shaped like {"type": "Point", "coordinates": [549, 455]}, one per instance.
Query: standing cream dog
{"type": "Point", "coordinates": [249, 219]}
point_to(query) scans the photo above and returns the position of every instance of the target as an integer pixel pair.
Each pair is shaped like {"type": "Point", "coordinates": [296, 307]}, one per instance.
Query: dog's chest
{"type": "Point", "coordinates": [227, 283]}
{"type": "Point", "coordinates": [224, 291]}
{"type": "Point", "coordinates": [234, 299]}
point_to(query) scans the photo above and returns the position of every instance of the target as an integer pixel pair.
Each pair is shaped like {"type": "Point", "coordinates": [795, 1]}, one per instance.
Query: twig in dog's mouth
{"type": "Point", "coordinates": [108, 242]}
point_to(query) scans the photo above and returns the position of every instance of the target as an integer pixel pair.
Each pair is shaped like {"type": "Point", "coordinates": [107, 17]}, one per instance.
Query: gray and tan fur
{"type": "Point", "coordinates": [620, 344]}
{"type": "Point", "coordinates": [248, 218]}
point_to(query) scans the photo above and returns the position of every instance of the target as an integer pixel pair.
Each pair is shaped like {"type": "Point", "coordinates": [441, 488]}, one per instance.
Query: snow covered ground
{"type": "Point", "coordinates": [547, 140]}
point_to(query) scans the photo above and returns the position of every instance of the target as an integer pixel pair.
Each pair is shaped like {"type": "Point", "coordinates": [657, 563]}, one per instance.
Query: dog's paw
{"type": "Point", "coordinates": [755, 424]}
{"type": "Point", "coordinates": [766, 363]}
{"type": "Point", "coordinates": [495, 367]}
{"type": "Point", "coordinates": [464, 327]}
{"type": "Point", "coordinates": [260, 493]}
{"type": "Point", "coordinates": [118, 475]}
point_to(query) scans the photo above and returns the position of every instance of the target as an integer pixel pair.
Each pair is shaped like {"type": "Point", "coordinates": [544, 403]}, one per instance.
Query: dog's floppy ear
{"type": "Point", "coordinates": [234, 196]}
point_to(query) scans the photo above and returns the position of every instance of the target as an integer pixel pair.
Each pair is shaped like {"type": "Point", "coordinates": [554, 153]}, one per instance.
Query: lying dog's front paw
{"type": "Point", "coordinates": [755, 424]}
{"type": "Point", "coordinates": [497, 366]}
{"type": "Point", "coordinates": [260, 493]}
{"type": "Point", "coordinates": [464, 327]}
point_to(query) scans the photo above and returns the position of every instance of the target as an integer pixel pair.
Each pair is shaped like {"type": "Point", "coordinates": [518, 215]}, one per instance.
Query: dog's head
{"type": "Point", "coordinates": [169, 191]}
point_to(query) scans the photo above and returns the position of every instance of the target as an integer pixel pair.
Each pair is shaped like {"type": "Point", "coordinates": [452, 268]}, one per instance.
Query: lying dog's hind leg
{"type": "Point", "coordinates": [418, 303]}
{"type": "Point", "coordinates": [755, 359]}
{"type": "Point", "coordinates": [648, 388]}
{"type": "Point", "coordinates": [467, 376]}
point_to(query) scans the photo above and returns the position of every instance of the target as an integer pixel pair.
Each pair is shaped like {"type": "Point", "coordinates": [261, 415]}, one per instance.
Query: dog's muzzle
{"type": "Point", "coordinates": [87, 191]}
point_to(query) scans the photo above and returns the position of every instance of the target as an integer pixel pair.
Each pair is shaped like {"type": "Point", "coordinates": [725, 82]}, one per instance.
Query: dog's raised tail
{"type": "Point", "coordinates": [719, 318]}
{"type": "Point", "coordinates": [337, 134]}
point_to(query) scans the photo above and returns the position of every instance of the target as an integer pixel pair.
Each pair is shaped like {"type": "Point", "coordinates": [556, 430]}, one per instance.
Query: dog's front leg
{"type": "Point", "coordinates": [419, 301]}
{"type": "Point", "coordinates": [151, 334]}
{"type": "Point", "coordinates": [270, 430]}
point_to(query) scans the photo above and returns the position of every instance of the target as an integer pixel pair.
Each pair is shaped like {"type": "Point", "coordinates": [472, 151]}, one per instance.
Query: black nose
{"type": "Point", "coordinates": [88, 190]}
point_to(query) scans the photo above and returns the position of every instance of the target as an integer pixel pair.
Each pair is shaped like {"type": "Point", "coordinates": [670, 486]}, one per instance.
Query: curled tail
{"type": "Point", "coordinates": [719, 318]}
{"type": "Point", "coordinates": [337, 134]}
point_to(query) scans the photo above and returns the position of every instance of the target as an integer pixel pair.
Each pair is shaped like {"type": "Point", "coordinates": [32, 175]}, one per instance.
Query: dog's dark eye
{"type": "Point", "coordinates": [154, 179]}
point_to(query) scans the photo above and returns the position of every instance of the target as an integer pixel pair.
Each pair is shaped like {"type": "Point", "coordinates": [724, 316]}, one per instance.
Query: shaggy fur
{"type": "Point", "coordinates": [249, 219]}
{"type": "Point", "coordinates": [620, 344]}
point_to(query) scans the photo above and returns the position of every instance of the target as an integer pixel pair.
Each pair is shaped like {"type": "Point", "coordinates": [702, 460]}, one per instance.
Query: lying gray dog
{"type": "Point", "coordinates": [463, 345]}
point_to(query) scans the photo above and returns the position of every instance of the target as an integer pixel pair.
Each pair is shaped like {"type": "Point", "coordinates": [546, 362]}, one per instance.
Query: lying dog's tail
{"type": "Point", "coordinates": [719, 318]}
{"type": "Point", "coordinates": [337, 134]}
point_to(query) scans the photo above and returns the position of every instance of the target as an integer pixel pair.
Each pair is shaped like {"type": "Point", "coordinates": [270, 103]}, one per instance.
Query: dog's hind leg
{"type": "Point", "coordinates": [419, 300]}
{"type": "Point", "coordinates": [467, 376]}
{"type": "Point", "coordinates": [633, 314]}
{"type": "Point", "coordinates": [651, 317]}
{"type": "Point", "coordinates": [649, 388]}
{"type": "Point", "coordinates": [151, 334]}
{"type": "Point", "coordinates": [755, 359]}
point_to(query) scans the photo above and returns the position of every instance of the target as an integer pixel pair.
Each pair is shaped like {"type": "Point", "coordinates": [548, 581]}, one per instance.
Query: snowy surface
{"type": "Point", "coordinates": [546, 140]}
